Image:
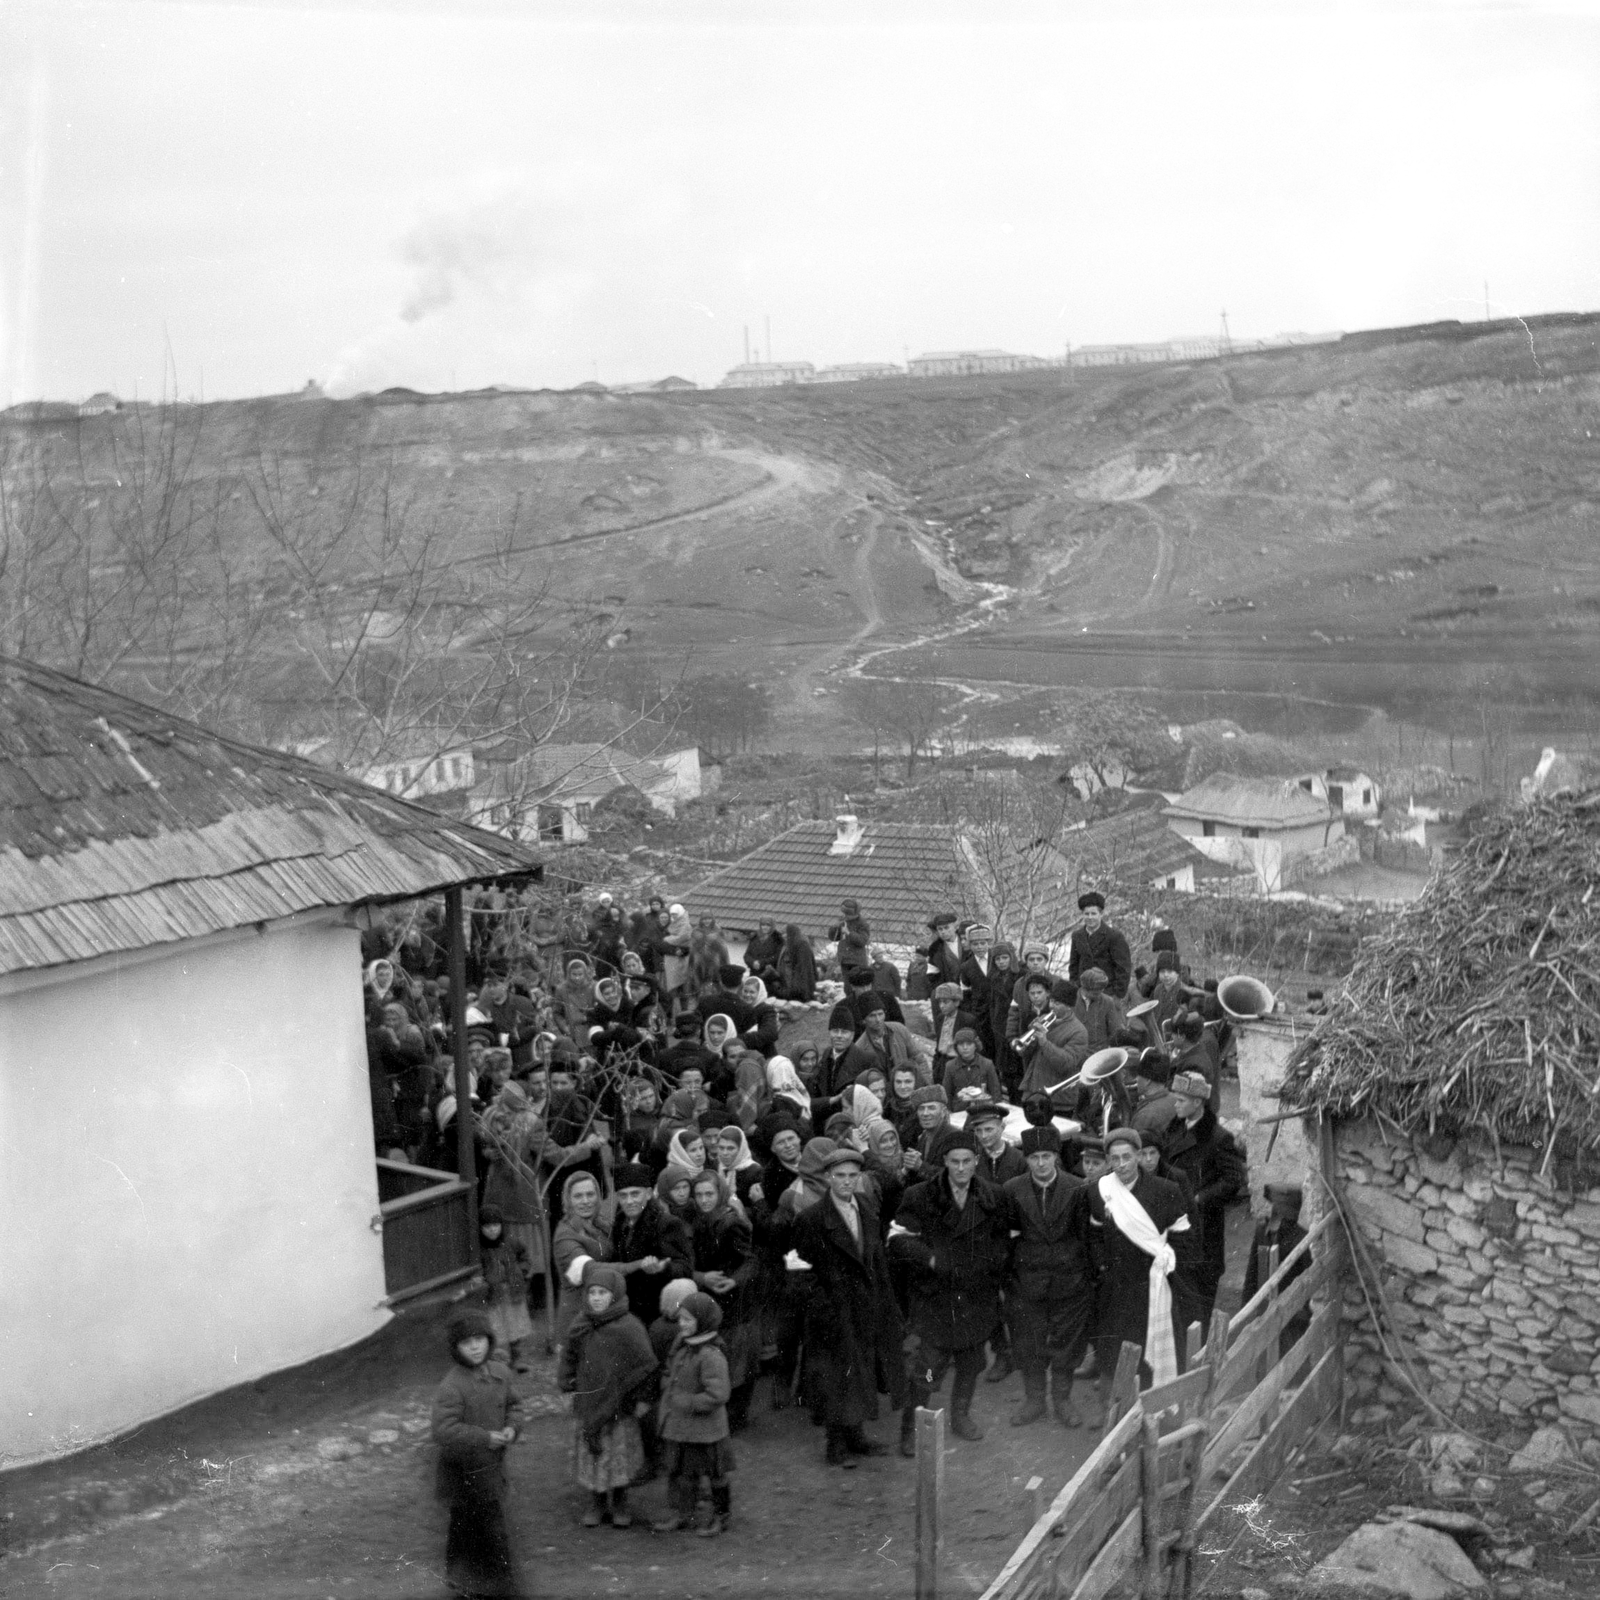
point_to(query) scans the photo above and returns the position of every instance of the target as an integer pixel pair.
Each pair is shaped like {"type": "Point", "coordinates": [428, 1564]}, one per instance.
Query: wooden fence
{"type": "Point", "coordinates": [1174, 1456]}
{"type": "Point", "coordinates": [425, 1217]}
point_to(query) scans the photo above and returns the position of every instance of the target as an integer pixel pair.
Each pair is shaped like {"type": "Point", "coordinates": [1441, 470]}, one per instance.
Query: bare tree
{"type": "Point", "coordinates": [911, 715]}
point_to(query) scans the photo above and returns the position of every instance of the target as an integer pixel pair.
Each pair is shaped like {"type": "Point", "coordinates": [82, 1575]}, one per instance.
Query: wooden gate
{"type": "Point", "coordinates": [1178, 1454]}
{"type": "Point", "coordinates": [425, 1217]}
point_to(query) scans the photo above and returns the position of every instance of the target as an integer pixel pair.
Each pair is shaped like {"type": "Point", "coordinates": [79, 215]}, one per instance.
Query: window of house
{"type": "Point", "coordinates": [1172, 883]}
{"type": "Point", "coordinates": [1252, 833]}
{"type": "Point", "coordinates": [1336, 796]}
{"type": "Point", "coordinates": [583, 810]}
{"type": "Point", "coordinates": [1366, 797]}
{"type": "Point", "coordinates": [1305, 783]}
{"type": "Point", "coordinates": [1208, 830]}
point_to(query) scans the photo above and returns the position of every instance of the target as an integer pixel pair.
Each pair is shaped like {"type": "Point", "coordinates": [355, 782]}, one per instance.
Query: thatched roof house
{"type": "Point", "coordinates": [1479, 1010]}
{"type": "Point", "coordinates": [1461, 1071]}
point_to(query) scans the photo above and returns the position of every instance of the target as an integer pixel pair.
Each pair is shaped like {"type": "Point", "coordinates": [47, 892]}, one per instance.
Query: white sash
{"type": "Point", "coordinates": [1133, 1220]}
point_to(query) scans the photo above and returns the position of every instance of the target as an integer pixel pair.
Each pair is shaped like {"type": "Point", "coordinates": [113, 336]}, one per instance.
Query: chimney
{"type": "Point", "coordinates": [846, 835]}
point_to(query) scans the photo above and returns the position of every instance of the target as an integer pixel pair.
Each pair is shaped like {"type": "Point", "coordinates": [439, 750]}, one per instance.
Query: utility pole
{"type": "Point", "coordinates": [1227, 343]}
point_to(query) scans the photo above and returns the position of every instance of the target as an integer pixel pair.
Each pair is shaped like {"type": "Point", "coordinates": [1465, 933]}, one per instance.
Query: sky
{"type": "Point", "coordinates": [229, 199]}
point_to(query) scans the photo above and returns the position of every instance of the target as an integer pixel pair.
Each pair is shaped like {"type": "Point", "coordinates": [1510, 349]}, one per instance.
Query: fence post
{"type": "Point", "coordinates": [930, 1501]}
{"type": "Point", "coordinates": [1124, 1384]}
{"type": "Point", "coordinates": [1150, 1515]}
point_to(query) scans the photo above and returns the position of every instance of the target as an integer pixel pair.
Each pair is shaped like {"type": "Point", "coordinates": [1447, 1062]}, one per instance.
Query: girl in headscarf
{"type": "Point", "coordinates": [719, 1029]}
{"type": "Point", "coordinates": [725, 1265]}
{"type": "Point", "coordinates": [884, 1166]}
{"type": "Point", "coordinates": [672, 1190]}
{"type": "Point", "coordinates": [797, 966]}
{"type": "Point", "coordinates": [606, 1365]}
{"type": "Point", "coordinates": [575, 997]}
{"type": "Point", "coordinates": [582, 1235]}
{"type": "Point", "coordinates": [786, 1092]}
{"type": "Point", "coordinates": [687, 1149]}
{"type": "Point", "coordinates": [736, 1164]}
{"type": "Point", "coordinates": [862, 1106]}
{"type": "Point", "coordinates": [747, 1101]}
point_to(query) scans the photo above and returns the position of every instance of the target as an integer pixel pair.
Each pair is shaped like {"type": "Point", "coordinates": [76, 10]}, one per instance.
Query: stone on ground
{"type": "Point", "coordinates": [1400, 1558]}
{"type": "Point", "coordinates": [1548, 1447]}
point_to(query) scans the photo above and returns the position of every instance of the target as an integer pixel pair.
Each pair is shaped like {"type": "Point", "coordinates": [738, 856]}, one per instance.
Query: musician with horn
{"type": "Point", "coordinates": [1097, 944]}
{"type": "Point", "coordinates": [1056, 1044]}
{"type": "Point", "coordinates": [1098, 1011]}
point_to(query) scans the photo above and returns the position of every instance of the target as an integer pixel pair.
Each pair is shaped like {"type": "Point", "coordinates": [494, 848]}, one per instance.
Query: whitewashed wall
{"type": "Point", "coordinates": [186, 1182]}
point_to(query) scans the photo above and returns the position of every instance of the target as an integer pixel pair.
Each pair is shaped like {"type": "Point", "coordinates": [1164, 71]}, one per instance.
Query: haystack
{"type": "Point", "coordinates": [1479, 1010]}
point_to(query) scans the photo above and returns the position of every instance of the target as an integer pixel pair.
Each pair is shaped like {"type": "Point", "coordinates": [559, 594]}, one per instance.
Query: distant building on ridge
{"type": "Point", "coordinates": [970, 363]}
{"type": "Point", "coordinates": [767, 374]}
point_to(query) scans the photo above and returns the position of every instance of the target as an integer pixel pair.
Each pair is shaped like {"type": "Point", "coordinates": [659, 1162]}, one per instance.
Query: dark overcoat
{"type": "Point", "coordinates": [1104, 948]}
{"type": "Point", "coordinates": [655, 1232]}
{"type": "Point", "coordinates": [959, 1257]}
{"type": "Point", "coordinates": [1125, 1284]}
{"type": "Point", "coordinates": [854, 1336]}
{"type": "Point", "coordinates": [1215, 1167]}
{"type": "Point", "coordinates": [1050, 1259]}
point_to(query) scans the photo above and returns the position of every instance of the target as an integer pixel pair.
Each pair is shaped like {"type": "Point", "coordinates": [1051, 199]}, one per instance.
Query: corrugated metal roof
{"type": "Point", "coordinates": [123, 827]}
{"type": "Point", "coordinates": [1250, 802]}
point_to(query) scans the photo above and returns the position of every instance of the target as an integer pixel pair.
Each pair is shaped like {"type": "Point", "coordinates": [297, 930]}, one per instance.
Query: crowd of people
{"type": "Point", "coordinates": [691, 1209]}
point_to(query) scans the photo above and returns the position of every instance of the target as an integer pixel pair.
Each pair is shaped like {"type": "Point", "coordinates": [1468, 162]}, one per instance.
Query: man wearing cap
{"type": "Point", "coordinates": [1098, 944]}
{"type": "Point", "coordinates": [977, 979]}
{"type": "Point", "coordinates": [1055, 1047]}
{"type": "Point", "coordinates": [998, 1162]}
{"type": "Point", "coordinates": [1140, 1224]}
{"type": "Point", "coordinates": [1153, 1107]}
{"type": "Point", "coordinates": [1194, 1048]}
{"type": "Point", "coordinates": [954, 1231]}
{"type": "Point", "coordinates": [944, 948]}
{"type": "Point", "coordinates": [853, 935]}
{"type": "Point", "coordinates": [885, 1045]}
{"type": "Point", "coordinates": [853, 1333]}
{"type": "Point", "coordinates": [833, 1075]}
{"type": "Point", "coordinates": [934, 1130]}
{"type": "Point", "coordinates": [1198, 1147]}
{"type": "Point", "coordinates": [864, 990]}
{"type": "Point", "coordinates": [1050, 1298]}
{"type": "Point", "coordinates": [1101, 1016]}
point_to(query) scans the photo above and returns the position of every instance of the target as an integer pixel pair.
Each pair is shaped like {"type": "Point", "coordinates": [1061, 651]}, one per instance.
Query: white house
{"type": "Point", "coordinates": [1348, 790]}
{"type": "Point", "coordinates": [550, 792]}
{"type": "Point", "coordinates": [189, 1182]}
{"type": "Point", "coordinates": [970, 363]}
{"type": "Point", "coordinates": [423, 767]}
{"type": "Point", "coordinates": [1262, 823]}
{"type": "Point", "coordinates": [767, 374]}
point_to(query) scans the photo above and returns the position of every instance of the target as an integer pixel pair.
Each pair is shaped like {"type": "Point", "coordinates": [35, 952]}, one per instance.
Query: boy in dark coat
{"type": "Point", "coordinates": [1098, 944]}
{"type": "Point", "coordinates": [955, 1232]}
{"type": "Point", "coordinates": [472, 1411]}
{"type": "Point", "coordinates": [853, 1334]}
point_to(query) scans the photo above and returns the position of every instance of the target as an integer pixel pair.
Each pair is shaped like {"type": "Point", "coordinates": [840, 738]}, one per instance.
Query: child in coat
{"type": "Point", "coordinates": [970, 1076]}
{"type": "Point", "coordinates": [606, 1366]}
{"type": "Point", "coordinates": [506, 1271]}
{"type": "Point", "coordinates": [472, 1412]}
{"type": "Point", "coordinates": [694, 1419]}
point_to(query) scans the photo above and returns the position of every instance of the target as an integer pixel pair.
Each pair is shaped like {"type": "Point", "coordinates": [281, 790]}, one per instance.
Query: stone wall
{"type": "Point", "coordinates": [1493, 1274]}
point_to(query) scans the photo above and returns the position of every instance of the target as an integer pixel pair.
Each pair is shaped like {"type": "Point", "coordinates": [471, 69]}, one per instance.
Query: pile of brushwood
{"type": "Point", "coordinates": [1478, 1010]}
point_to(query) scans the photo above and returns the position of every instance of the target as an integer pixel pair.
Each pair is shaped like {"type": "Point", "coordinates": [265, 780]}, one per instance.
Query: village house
{"type": "Point", "coordinates": [1266, 824]}
{"type": "Point", "coordinates": [549, 793]}
{"type": "Point", "coordinates": [1135, 849]}
{"type": "Point", "coordinates": [422, 769]}
{"type": "Point", "coordinates": [767, 374]}
{"type": "Point", "coordinates": [1348, 790]}
{"type": "Point", "coordinates": [971, 363]}
{"type": "Point", "coordinates": [1448, 1091]}
{"type": "Point", "coordinates": [190, 1183]}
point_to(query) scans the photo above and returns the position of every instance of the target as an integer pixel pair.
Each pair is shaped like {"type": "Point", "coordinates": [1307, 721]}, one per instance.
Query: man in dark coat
{"type": "Point", "coordinates": [944, 949]}
{"type": "Point", "coordinates": [833, 1075]}
{"type": "Point", "coordinates": [853, 935]}
{"type": "Point", "coordinates": [688, 1049]}
{"type": "Point", "coordinates": [1002, 979]}
{"type": "Point", "coordinates": [854, 1337]}
{"type": "Point", "coordinates": [1196, 1146]}
{"type": "Point", "coordinates": [1281, 1230]}
{"type": "Point", "coordinates": [955, 1233]}
{"type": "Point", "coordinates": [1050, 1299]}
{"type": "Point", "coordinates": [762, 952]}
{"type": "Point", "coordinates": [1098, 944]}
{"type": "Point", "coordinates": [977, 980]}
{"type": "Point", "coordinates": [649, 1245]}
{"type": "Point", "coordinates": [1123, 1302]}
{"type": "Point", "coordinates": [998, 1163]}
{"type": "Point", "coordinates": [865, 994]}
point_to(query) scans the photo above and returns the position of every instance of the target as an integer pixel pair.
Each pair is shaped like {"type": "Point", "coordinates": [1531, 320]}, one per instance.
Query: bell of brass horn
{"type": "Point", "coordinates": [1244, 999]}
{"type": "Point", "coordinates": [1101, 1065]}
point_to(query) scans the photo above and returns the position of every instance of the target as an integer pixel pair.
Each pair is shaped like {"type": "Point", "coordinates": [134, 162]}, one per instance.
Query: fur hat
{"type": "Point", "coordinates": [964, 1036]}
{"type": "Point", "coordinates": [1040, 1139]}
{"type": "Point", "coordinates": [1038, 1109]}
{"type": "Point", "coordinates": [706, 1312]}
{"type": "Point", "coordinates": [730, 976]}
{"type": "Point", "coordinates": [842, 1017]}
{"type": "Point", "coordinates": [1166, 960]}
{"type": "Point", "coordinates": [838, 1158]}
{"type": "Point", "coordinates": [674, 1294]}
{"type": "Point", "coordinates": [1164, 939]}
{"type": "Point", "coordinates": [635, 1175]}
{"type": "Point", "coordinates": [1124, 1136]}
{"type": "Point", "coordinates": [941, 919]}
{"type": "Point", "coordinates": [930, 1094]}
{"type": "Point", "coordinates": [1092, 978]}
{"type": "Point", "coordinates": [1093, 898]}
{"type": "Point", "coordinates": [1193, 1085]}
{"type": "Point", "coordinates": [961, 1139]}
{"type": "Point", "coordinates": [468, 1323]}
{"type": "Point", "coordinates": [1064, 990]}
{"type": "Point", "coordinates": [872, 1005]}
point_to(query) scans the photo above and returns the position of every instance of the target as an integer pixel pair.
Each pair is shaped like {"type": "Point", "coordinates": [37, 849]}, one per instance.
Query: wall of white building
{"type": "Point", "coordinates": [187, 1182]}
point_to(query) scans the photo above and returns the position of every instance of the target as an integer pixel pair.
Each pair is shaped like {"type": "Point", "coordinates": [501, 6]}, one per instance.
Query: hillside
{"type": "Point", "coordinates": [1409, 524]}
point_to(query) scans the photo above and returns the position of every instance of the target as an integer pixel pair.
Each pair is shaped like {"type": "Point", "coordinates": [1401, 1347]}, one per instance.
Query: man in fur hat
{"type": "Point", "coordinates": [1097, 944]}
{"type": "Point", "coordinates": [1202, 1151]}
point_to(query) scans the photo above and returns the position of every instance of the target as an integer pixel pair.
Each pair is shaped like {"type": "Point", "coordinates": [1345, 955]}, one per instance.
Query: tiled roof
{"type": "Point", "coordinates": [1250, 802]}
{"type": "Point", "coordinates": [123, 827]}
{"type": "Point", "coordinates": [900, 872]}
{"type": "Point", "coordinates": [1134, 849]}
